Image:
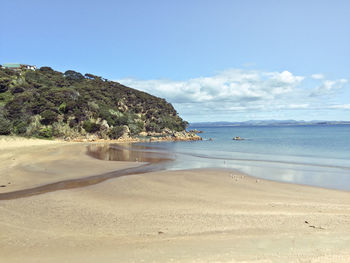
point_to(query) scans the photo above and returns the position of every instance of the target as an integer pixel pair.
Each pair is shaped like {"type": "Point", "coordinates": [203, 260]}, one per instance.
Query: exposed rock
{"type": "Point", "coordinates": [167, 131]}
{"type": "Point", "coordinates": [143, 134]}
{"type": "Point", "coordinates": [196, 131]}
{"type": "Point", "coordinates": [126, 133]}
{"type": "Point", "coordinates": [104, 124]}
{"type": "Point", "coordinates": [91, 137]}
{"type": "Point", "coordinates": [186, 136]}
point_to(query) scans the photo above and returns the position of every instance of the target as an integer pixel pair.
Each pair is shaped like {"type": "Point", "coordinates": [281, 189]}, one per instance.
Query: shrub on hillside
{"type": "Point", "coordinates": [4, 85]}
{"type": "Point", "coordinates": [136, 128]}
{"type": "Point", "coordinates": [5, 126]}
{"type": "Point", "coordinates": [91, 127]}
{"type": "Point", "coordinates": [45, 132]}
{"type": "Point", "coordinates": [33, 99]}
{"type": "Point", "coordinates": [116, 132]}
{"type": "Point", "coordinates": [20, 127]}
{"type": "Point", "coordinates": [48, 117]}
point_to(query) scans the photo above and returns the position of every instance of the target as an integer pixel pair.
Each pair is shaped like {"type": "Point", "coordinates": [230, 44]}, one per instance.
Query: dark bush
{"type": "Point", "coordinates": [153, 127]}
{"type": "Point", "coordinates": [20, 127]}
{"type": "Point", "coordinates": [18, 89]}
{"type": "Point", "coordinates": [91, 127]}
{"type": "Point", "coordinates": [4, 85]}
{"type": "Point", "coordinates": [123, 120]}
{"type": "Point", "coordinates": [46, 70]}
{"type": "Point", "coordinates": [72, 123]}
{"type": "Point", "coordinates": [5, 126]}
{"type": "Point", "coordinates": [48, 116]}
{"type": "Point", "coordinates": [116, 132]}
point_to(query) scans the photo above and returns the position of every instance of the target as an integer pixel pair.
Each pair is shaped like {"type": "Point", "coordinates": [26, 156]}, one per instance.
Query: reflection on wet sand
{"type": "Point", "coordinates": [152, 162]}
{"type": "Point", "coordinates": [126, 152]}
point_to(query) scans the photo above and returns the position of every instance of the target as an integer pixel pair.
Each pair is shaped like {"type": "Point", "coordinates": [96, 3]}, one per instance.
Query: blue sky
{"type": "Point", "coordinates": [214, 60]}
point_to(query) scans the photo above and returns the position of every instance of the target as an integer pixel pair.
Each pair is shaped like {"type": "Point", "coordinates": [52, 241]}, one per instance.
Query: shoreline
{"type": "Point", "coordinates": [197, 215]}
{"type": "Point", "coordinates": [120, 167]}
{"type": "Point", "coordinates": [10, 142]}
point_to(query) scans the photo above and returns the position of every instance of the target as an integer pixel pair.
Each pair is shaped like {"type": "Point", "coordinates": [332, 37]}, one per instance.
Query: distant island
{"type": "Point", "coordinates": [46, 103]}
{"type": "Point", "coordinates": [267, 123]}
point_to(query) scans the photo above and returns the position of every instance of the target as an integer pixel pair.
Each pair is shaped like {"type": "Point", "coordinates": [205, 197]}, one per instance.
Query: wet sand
{"type": "Point", "coordinates": [33, 166]}
{"type": "Point", "coordinates": [205, 215]}
{"type": "Point", "coordinates": [71, 166]}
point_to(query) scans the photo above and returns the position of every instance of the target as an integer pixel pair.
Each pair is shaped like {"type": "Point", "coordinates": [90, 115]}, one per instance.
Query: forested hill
{"type": "Point", "coordinates": [48, 103]}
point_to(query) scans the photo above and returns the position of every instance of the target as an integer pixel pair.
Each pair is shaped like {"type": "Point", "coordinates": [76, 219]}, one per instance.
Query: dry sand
{"type": "Point", "coordinates": [12, 142]}
{"type": "Point", "coordinates": [172, 216]}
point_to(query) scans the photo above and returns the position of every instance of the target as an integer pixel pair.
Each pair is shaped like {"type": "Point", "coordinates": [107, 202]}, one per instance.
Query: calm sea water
{"type": "Point", "coordinates": [311, 155]}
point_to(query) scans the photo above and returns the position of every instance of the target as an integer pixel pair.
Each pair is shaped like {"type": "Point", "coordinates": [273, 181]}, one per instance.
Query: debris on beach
{"type": "Point", "coordinates": [312, 226]}
{"type": "Point", "coordinates": [236, 177]}
{"type": "Point", "coordinates": [317, 227]}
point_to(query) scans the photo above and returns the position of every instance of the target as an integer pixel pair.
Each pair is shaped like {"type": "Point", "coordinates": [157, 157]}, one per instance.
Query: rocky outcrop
{"type": "Point", "coordinates": [196, 131]}
{"type": "Point", "coordinates": [168, 135]}
{"type": "Point", "coordinates": [145, 137]}
{"type": "Point", "coordinates": [186, 136]}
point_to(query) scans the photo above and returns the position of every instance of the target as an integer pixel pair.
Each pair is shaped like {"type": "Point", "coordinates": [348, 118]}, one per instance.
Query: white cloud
{"type": "Point", "coordinates": [236, 86]}
{"type": "Point", "coordinates": [328, 86]}
{"type": "Point", "coordinates": [237, 91]}
{"type": "Point", "coordinates": [317, 76]}
{"type": "Point", "coordinates": [340, 106]}
{"type": "Point", "coordinates": [298, 106]}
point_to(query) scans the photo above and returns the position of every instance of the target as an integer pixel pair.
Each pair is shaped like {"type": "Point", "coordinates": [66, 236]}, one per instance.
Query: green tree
{"type": "Point", "coordinates": [73, 75]}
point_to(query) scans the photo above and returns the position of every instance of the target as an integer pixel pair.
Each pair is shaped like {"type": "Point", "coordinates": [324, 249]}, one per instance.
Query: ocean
{"type": "Point", "coordinates": [310, 155]}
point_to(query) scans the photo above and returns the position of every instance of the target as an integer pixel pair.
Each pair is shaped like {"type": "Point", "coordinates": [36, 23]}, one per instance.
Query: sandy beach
{"type": "Point", "coordinates": [27, 163]}
{"type": "Point", "coordinates": [203, 215]}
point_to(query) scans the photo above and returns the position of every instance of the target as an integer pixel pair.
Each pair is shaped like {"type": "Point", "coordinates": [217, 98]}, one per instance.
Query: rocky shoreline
{"type": "Point", "coordinates": [166, 135]}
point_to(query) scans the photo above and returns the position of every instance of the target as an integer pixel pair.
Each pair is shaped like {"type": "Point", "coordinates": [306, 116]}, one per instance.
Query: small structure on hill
{"type": "Point", "coordinates": [17, 66]}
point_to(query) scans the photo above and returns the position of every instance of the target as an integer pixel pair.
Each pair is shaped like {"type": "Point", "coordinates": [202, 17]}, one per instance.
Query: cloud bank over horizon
{"type": "Point", "coordinates": [240, 94]}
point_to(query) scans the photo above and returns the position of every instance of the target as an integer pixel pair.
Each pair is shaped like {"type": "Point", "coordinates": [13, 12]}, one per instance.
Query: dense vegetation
{"type": "Point", "coordinates": [48, 103]}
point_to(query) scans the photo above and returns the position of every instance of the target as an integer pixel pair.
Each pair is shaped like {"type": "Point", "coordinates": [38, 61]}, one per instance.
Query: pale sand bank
{"type": "Point", "coordinates": [27, 163]}
{"type": "Point", "coordinates": [178, 216]}
{"type": "Point", "coordinates": [11, 142]}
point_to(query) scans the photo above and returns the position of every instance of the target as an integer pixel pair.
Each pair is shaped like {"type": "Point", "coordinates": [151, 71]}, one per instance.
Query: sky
{"type": "Point", "coordinates": [214, 60]}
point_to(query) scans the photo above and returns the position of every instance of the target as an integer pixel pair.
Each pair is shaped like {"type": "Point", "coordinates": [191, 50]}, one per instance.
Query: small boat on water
{"type": "Point", "coordinates": [237, 138]}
